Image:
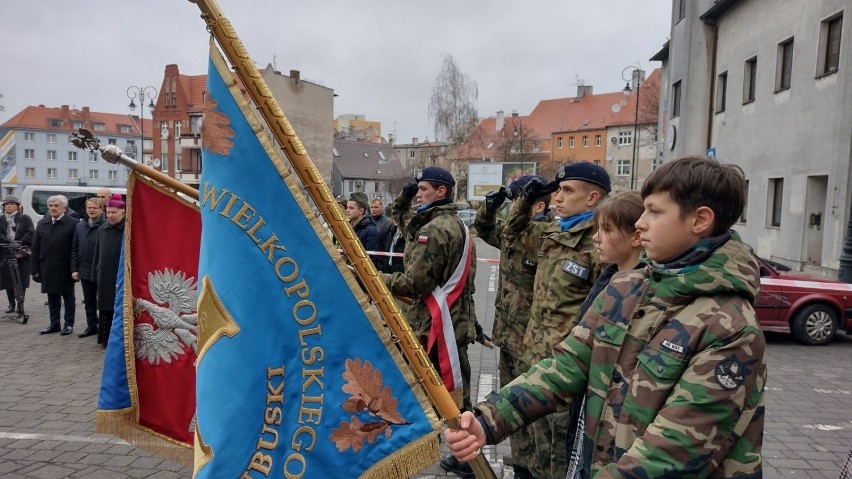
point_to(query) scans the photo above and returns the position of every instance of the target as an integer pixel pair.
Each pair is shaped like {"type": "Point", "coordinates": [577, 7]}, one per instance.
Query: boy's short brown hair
{"type": "Point", "coordinates": [695, 181]}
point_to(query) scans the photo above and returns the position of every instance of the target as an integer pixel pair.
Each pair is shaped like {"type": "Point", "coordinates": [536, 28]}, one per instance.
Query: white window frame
{"type": "Point", "coordinates": [73, 174]}
{"type": "Point", "coordinates": [51, 137]}
{"type": "Point", "coordinates": [559, 142]}
{"type": "Point", "coordinates": [29, 172]}
{"type": "Point", "coordinates": [29, 154]}
{"type": "Point", "coordinates": [51, 173]}
{"type": "Point", "coordinates": [51, 155]}
{"type": "Point", "coordinates": [622, 168]}
{"type": "Point", "coordinates": [29, 136]}
{"type": "Point", "coordinates": [598, 140]}
{"type": "Point", "coordinates": [93, 174]}
{"type": "Point", "coordinates": [72, 156]}
{"type": "Point", "coordinates": [625, 137]}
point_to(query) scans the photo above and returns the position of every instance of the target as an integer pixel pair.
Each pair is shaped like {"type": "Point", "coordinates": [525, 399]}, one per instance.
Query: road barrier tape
{"type": "Point", "coordinates": [400, 255]}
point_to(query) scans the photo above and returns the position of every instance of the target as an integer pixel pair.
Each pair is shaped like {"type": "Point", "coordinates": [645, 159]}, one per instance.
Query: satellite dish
{"type": "Point", "coordinates": [616, 108]}
{"type": "Point", "coordinates": [156, 162]}
{"type": "Point", "coordinates": [609, 157]}
{"type": "Point", "coordinates": [623, 102]}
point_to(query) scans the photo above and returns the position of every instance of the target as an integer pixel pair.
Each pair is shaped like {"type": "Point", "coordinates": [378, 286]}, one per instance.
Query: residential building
{"type": "Point", "coordinates": [36, 149]}
{"type": "Point", "coordinates": [179, 110]}
{"type": "Point", "coordinates": [767, 87]}
{"type": "Point", "coordinates": [419, 154]}
{"type": "Point", "coordinates": [356, 127]}
{"type": "Point", "coordinates": [372, 168]}
{"type": "Point", "coordinates": [598, 128]}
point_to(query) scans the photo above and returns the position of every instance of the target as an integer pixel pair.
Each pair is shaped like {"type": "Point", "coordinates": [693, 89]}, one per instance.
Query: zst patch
{"type": "Point", "coordinates": [576, 269]}
{"type": "Point", "coordinates": [730, 374]}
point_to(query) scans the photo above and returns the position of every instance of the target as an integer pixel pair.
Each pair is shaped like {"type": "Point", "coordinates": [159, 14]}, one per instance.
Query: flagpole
{"type": "Point", "coordinates": [222, 30]}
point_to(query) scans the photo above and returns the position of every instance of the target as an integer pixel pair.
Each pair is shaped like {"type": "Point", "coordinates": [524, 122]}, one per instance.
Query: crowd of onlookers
{"type": "Point", "coordinates": [60, 250]}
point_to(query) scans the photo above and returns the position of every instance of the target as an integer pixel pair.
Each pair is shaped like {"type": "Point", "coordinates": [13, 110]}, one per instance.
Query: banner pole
{"type": "Point", "coordinates": [222, 30]}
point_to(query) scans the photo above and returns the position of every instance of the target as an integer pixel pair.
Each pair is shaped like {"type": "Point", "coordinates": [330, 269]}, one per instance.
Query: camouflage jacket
{"type": "Point", "coordinates": [673, 368]}
{"type": "Point", "coordinates": [434, 242]}
{"type": "Point", "coordinates": [518, 264]}
{"type": "Point", "coordinates": [567, 268]}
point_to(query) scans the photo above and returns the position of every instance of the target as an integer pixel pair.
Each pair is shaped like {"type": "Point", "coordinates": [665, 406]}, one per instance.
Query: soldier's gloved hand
{"type": "Point", "coordinates": [481, 337]}
{"type": "Point", "coordinates": [536, 188]}
{"type": "Point", "coordinates": [494, 199]}
{"type": "Point", "coordinates": [37, 277]}
{"type": "Point", "coordinates": [409, 190]}
{"type": "Point", "coordinates": [514, 191]}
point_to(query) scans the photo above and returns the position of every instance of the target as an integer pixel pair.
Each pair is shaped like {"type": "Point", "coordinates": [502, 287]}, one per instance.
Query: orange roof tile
{"type": "Point", "coordinates": [42, 118]}
{"type": "Point", "coordinates": [591, 112]}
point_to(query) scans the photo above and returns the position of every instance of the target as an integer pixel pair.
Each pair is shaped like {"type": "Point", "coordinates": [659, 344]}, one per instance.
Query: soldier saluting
{"type": "Point", "coordinates": [438, 275]}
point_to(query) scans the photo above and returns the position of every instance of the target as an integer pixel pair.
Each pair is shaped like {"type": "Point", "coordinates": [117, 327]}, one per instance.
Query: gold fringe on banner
{"type": "Point", "coordinates": [124, 424]}
{"type": "Point", "coordinates": [407, 461]}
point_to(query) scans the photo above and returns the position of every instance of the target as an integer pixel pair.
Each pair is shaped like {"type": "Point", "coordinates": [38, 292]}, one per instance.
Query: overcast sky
{"type": "Point", "coordinates": [381, 57]}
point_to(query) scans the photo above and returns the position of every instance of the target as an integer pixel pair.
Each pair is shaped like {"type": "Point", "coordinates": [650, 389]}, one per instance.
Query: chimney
{"type": "Point", "coordinates": [85, 113]}
{"type": "Point", "coordinates": [66, 112]}
{"type": "Point", "coordinates": [501, 119]}
{"type": "Point", "coordinates": [638, 78]}
{"type": "Point", "coordinates": [390, 138]}
{"type": "Point", "coordinates": [414, 140]}
{"type": "Point", "coordinates": [295, 75]}
{"type": "Point", "coordinates": [584, 90]}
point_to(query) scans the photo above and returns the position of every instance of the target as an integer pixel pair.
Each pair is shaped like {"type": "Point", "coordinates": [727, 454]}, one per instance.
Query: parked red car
{"type": "Point", "coordinates": [810, 308]}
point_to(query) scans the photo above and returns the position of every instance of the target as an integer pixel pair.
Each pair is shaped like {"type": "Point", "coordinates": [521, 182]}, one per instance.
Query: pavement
{"type": "Point", "coordinates": [49, 388]}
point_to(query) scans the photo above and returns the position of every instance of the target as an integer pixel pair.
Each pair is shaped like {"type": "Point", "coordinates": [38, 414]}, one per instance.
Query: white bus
{"type": "Point", "coordinates": [34, 198]}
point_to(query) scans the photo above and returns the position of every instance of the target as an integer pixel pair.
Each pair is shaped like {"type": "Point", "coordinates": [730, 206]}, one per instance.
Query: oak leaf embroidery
{"type": "Point", "coordinates": [367, 395]}
{"type": "Point", "coordinates": [216, 132]}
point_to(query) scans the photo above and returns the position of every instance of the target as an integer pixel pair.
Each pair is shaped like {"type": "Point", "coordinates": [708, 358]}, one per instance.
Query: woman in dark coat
{"type": "Point", "coordinates": [82, 255]}
{"type": "Point", "coordinates": [106, 264]}
{"type": "Point", "coordinates": [15, 226]}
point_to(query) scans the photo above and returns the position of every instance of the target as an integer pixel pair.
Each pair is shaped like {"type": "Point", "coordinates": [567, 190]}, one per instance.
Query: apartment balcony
{"type": "Point", "coordinates": [188, 177]}
{"type": "Point", "coordinates": [191, 142]}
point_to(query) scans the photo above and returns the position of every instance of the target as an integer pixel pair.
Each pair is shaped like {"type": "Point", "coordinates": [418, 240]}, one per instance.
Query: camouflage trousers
{"type": "Point", "coordinates": [550, 435]}
{"type": "Point", "coordinates": [523, 446]}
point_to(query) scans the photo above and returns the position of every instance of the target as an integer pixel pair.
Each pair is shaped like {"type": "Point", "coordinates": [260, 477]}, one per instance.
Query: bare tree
{"type": "Point", "coordinates": [452, 108]}
{"type": "Point", "coordinates": [2, 108]}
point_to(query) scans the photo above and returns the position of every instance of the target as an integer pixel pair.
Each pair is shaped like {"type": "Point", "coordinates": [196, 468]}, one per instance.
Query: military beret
{"type": "Point", "coordinates": [436, 175]}
{"type": "Point", "coordinates": [585, 171]}
{"type": "Point", "coordinates": [360, 198]}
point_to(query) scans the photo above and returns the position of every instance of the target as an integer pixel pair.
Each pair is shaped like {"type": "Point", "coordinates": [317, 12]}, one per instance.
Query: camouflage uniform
{"type": "Point", "coordinates": [567, 268]}
{"type": "Point", "coordinates": [511, 316]}
{"type": "Point", "coordinates": [672, 365]}
{"type": "Point", "coordinates": [434, 245]}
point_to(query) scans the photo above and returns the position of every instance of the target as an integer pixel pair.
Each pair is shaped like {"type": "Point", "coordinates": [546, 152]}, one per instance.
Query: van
{"type": "Point", "coordinates": [34, 198]}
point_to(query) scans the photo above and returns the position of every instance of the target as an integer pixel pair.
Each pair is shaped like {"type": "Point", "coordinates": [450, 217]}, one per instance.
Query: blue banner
{"type": "Point", "coordinates": [296, 374]}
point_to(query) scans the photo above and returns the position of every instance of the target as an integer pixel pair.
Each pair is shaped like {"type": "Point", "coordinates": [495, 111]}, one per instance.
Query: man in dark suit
{"type": "Point", "coordinates": [52, 262]}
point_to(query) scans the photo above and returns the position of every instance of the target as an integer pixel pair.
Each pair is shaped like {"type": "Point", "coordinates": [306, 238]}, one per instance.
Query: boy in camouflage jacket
{"type": "Point", "coordinates": [670, 357]}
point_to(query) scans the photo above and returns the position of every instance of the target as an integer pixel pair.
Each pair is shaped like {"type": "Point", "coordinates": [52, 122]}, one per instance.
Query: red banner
{"type": "Point", "coordinates": [164, 233]}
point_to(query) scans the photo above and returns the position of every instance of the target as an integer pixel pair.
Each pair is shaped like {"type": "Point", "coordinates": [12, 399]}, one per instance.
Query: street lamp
{"type": "Point", "coordinates": [518, 132]}
{"type": "Point", "coordinates": [142, 93]}
{"type": "Point", "coordinates": [627, 90]}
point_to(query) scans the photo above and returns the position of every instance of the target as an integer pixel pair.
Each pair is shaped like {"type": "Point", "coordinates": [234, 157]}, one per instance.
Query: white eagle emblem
{"type": "Point", "coordinates": [176, 325]}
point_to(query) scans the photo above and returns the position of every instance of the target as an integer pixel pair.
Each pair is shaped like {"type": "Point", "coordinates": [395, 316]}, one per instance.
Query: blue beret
{"type": "Point", "coordinates": [436, 175]}
{"type": "Point", "coordinates": [585, 171]}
